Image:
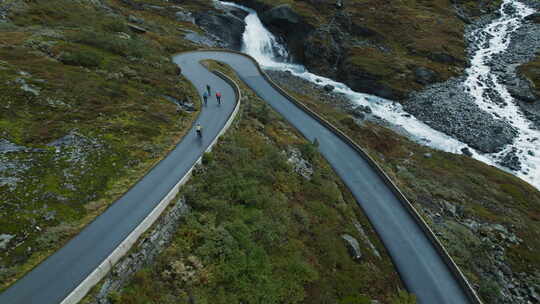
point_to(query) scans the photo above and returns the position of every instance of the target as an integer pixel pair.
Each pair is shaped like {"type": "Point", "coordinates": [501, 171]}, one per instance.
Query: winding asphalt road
{"type": "Point", "coordinates": [418, 262]}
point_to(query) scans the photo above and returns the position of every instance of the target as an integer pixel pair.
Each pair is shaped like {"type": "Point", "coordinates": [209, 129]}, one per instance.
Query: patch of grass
{"type": "Point", "coordinates": [87, 59]}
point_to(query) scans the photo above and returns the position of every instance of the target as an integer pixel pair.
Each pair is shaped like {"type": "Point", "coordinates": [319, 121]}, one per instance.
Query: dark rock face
{"type": "Point", "coordinates": [533, 18]}
{"type": "Point", "coordinates": [282, 15]}
{"type": "Point", "coordinates": [362, 81]}
{"type": "Point", "coordinates": [226, 27]}
{"type": "Point", "coordinates": [425, 76]}
{"type": "Point", "coordinates": [511, 160]}
{"type": "Point", "coordinates": [467, 152]}
{"type": "Point", "coordinates": [522, 49]}
{"type": "Point", "coordinates": [288, 25]}
{"type": "Point", "coordinates": [323, 52]}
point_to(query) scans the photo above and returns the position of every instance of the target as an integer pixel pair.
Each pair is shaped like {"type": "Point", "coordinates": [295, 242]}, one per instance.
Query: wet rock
{"type": "Point", "coordinates": [365, 109]}
{"type": "Point", "coordinates": [511, 160]}
{"type": "Point", "coordinates": [449, 108]}
{"type": "Point", "coordinates": [228, 28]}
{"type": "Point", "coordinates": [323, 58]}
{"type": "Point", "coordinates": [352, 246]}
{"type": "Point", "coordinates": [425, 76]}
{"type": "Point", "coordinates": [358, 113]}
{"type": "Point", "coordinates": [328, 88]}
{"type": "Point", "coordinates": [363, 81]}
{"type": "Point", "coordinates": [467, 152]}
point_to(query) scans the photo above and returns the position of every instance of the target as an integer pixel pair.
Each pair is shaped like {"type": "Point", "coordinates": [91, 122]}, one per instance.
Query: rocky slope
{"type": "Point", "coordinates": [487, 219]}
{"type": "Point", "coordinates": [449, 107]}
{"type": "Point", "coordinates": [385, 48]}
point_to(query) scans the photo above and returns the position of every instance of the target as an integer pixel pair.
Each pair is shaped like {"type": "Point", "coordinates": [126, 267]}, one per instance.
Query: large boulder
{"type": "Point", "coordinates": [363, 81]}
{"type": "Point", "coordinates": [290, 26]}
{"type": "Point", "coordinates": [226, 27]}
{"type": "Point", "coordinates": [353, 246]}
{"type": "Point", "coordinates": [425, 76]}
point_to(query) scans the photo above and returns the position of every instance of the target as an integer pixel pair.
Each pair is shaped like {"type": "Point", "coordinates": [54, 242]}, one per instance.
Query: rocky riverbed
{"type": "Point", "coordinates": [450, 106]}
{"type": "Point", "coordinates": [522, 49]}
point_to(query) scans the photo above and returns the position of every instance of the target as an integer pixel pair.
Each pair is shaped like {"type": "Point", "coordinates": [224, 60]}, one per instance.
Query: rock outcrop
{"type": "Point", "coordinates": [146, 251]}
{"type": "Point", "coordinates": [226, 27]}
{"type": "Point", "coordinates": [353, 246]}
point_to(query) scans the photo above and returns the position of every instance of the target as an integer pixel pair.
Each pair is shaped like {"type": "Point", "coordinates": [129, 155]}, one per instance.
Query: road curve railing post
{"type": "Point", "coordinates": [108, 263]}
{"type": "Point", "coordinates": [451, 264]}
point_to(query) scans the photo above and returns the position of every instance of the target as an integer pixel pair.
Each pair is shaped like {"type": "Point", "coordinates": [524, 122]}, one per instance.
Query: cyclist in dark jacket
{"type": "Point", "coordinates": [205, 97]}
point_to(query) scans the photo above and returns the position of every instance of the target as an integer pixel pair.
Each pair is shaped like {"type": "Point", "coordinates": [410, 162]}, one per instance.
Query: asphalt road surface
{"type": "Point", "coordinates": [418, 262]}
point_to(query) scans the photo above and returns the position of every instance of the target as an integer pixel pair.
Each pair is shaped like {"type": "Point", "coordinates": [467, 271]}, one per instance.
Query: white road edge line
{"type": "Point", "coordinates": [101, 271]}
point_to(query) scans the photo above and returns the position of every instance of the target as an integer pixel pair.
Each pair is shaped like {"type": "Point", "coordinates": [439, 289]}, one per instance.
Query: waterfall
{"type": "Point", "coordinates": [258, 42]}
{"type": "Point", "coordinates": [266, 49]}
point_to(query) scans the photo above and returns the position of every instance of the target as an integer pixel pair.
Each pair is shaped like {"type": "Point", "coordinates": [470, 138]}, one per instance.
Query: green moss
{"type": "Point", "coordinates": [531, 71]}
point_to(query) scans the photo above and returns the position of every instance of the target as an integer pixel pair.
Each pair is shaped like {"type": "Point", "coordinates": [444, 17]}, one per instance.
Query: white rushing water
{"type": "Point", "coordinates": [491, 40]}
{"type": "Point", "coordinates": [264, 47]}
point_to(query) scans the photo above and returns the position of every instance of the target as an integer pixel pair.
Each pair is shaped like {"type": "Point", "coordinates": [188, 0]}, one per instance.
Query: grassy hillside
{"type": "Point", "coordinates": [531, 71]}
{"type": "Point", "coordinates": [488, 220]}
{"type": "Point", "coordinates": [261, 233]}
{"type": "Point", "coordinates": [82, 99]}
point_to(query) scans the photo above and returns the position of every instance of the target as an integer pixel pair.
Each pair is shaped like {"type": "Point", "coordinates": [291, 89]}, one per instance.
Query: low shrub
{"type": "Point", "coordinates": [135, 47]}
{"type": "Point", "coordinates": [85, 58]}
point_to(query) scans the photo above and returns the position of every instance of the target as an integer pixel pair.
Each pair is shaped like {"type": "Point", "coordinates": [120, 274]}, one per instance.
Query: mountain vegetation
{"type": "Point", "coordinates": [83, 115]}
{"type": "Point", "coordinates": [262, 231]}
